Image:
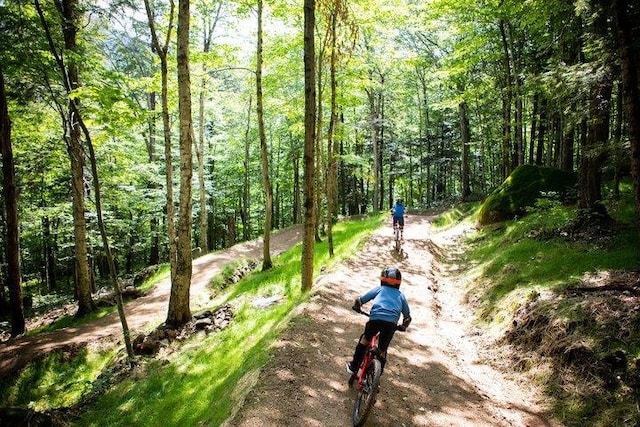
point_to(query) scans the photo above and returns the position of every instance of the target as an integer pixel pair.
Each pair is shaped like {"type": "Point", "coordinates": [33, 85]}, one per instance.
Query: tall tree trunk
{"type": "Point", "coordinates": [627, 38]}
{"type": "Point", "coordinates": [566, 152]}
{"type": "Point", "coordinates": [130, 252]}
{"type": "Point", "coordinates": [83, 284]}
{"type": "Point", "coordinates": [179, 310]}
{"type": "Point", "coordinates": [70, 16]}
{"type": "Point", "coordinates": [209, 26]}
{"type": "Point", "coordinates": [381, 142]}
{"type": "Point", "coordinates": [245, 212]}
{"type": "Point", "coordinates": [202, 191]}
{"type": "Point", "coordinates": [264, 153]}
{"type": "Point", "coordinates": [466, 142]}
{"type": "Point", "coordinates": [309, 144]}
{"type": "Point", "coordinates": [162, 51]}
{"type": "Point", "coordinates": [319, 152]}
{"type": "Point", "coordinates": [343, 179]}
{"type": "Point", "coordinates": [617, 149]}
{"type": "Point", "coordinates": [331, 150]}
{"type": "Point", "coordinates": [154, 223]}
{"type": "Point", "coordinates": [515, 45]}
{"type": "Point", "coordinates": [518, 137]}
{"type": "Point", "coordinates": [424, 171]}
{"type": "Point", "coordinates": [10, 196]}
{"type": "Point", "coordinates": [49, 246]}
{"type": "Point", "coordinates": [506, 102]}
{"type": "Point", "coordinates": [534, 126]}
{"type": "Point", "coordinates": [297, 204]}
{"type": "Point", "coordinates": [593, 153]}
{"type": "Point", "coordinates": [373, 111]}
{"type": "Point", "coordinates": [70, 13]}
{"type": "Point", "coordinates": [542, 129]}
{"type": "Point", "coordinates": [553, 143]}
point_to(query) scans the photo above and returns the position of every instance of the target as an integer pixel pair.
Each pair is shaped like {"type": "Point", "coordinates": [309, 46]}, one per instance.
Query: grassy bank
{"type": "Point", "coordinates": [563, 299]}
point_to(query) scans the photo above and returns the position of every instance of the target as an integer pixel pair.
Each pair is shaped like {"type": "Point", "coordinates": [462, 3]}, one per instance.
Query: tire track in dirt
{"type": "Point", "coordinates": [434, 375]}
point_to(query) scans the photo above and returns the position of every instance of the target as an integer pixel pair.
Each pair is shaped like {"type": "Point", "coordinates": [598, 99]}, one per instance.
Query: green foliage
{"type": "Point", "coordinates": [522, 189]}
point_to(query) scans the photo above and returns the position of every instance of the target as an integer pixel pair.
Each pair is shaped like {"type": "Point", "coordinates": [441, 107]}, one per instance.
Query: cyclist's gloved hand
{"type": "Point", "coordinates": [406, 322]}
{"type": "Point", "coordinates": [356, 305]}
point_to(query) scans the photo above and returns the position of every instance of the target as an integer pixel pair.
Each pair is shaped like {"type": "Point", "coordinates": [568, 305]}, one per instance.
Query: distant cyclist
{"type": "Point", "coordinates": [398, 211]}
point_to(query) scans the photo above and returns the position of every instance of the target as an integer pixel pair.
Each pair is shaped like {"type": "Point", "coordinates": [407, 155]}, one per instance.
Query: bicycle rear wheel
{"type": "Point", "coordinates": [366, 398]}
{"type": "Point", "coordinates": [398, 243]}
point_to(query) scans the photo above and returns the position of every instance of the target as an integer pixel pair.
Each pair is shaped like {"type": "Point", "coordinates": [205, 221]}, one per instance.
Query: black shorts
{"type": "Point", "coordinates": [399, 221]}
{"type": "Point", "coordinates": [386, 329]}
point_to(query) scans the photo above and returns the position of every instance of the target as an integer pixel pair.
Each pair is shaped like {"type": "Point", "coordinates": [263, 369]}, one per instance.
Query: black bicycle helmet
{"type": "Point", "coordinates": [391, 276]}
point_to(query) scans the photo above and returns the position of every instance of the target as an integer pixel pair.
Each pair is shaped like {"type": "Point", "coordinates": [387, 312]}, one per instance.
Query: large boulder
{"type": "Point", "coordinates": [522, 188]}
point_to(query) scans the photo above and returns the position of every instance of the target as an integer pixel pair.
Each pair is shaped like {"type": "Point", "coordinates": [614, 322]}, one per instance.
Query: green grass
{"type": "Point", "coordinates": [58, 380]}
{"type": "Point", "coordinates": [228, 272]}
{"type": "Point", "coordinates": [523, 255]}
{"type": "Point", "coordinates": [201, 382]}
{"type": "Point", "coordinates": [63, 377]}
{"type": "Point", "coordinates": [163, 273]}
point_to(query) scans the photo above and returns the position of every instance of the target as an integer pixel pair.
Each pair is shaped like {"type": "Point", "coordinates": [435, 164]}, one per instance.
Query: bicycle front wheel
{"type": "Point", "coordinates": [366, 398]}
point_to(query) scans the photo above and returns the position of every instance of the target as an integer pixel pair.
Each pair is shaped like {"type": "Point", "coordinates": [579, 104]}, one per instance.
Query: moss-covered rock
{"type": "Point", "coordinates": [522, 188]}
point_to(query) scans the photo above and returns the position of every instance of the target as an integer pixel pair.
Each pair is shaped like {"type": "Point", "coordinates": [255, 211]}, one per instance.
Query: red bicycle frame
{"type": "Point", "coordinates": [372, 351]}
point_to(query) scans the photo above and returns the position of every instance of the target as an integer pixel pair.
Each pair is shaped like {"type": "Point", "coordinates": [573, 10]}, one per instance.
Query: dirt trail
{"type": "Point", "coordinates": [144, 313]}
{"type": "Point", "coordinates": [434, 376]}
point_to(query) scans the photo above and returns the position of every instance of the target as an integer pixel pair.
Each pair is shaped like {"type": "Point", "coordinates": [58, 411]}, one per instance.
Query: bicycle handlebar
{"type": "Point", "coordinates": [400, 328]}
{"type": "Point", "coordinates": [359, 310]}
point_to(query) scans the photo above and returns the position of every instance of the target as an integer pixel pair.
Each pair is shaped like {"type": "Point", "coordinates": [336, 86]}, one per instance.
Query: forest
{"type": "Point", "coordinates": [141, 133]}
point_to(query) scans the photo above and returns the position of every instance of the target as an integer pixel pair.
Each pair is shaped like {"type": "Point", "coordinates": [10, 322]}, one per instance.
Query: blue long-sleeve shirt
{"type": "Point", "coordinates": [388, 304]}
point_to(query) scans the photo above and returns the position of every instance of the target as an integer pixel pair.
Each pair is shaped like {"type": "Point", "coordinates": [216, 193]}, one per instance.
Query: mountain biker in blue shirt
{"type": "Point", "coordinates": [398, 211]}
{"type": "Point", "coordinates": [388, 303]}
